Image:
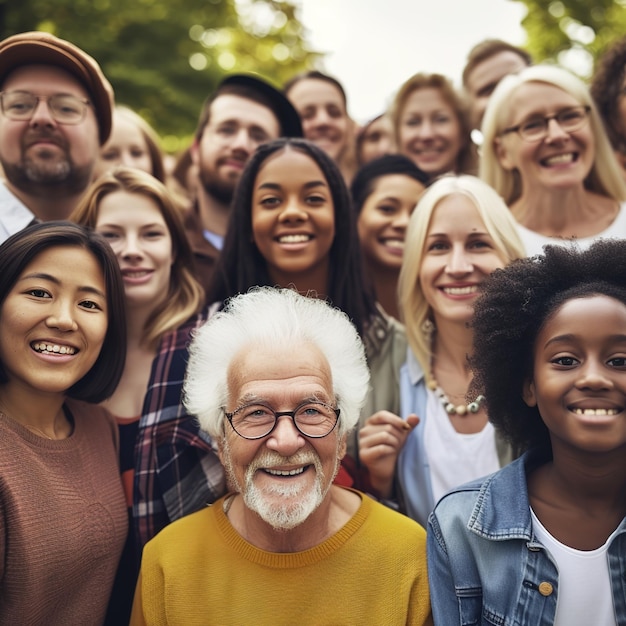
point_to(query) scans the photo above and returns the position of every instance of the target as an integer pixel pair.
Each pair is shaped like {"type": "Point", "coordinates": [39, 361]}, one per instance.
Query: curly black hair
{"type": "Point", "coordinates": [514, 305]}
{"type": "Point", "coordinates": [606, 88]}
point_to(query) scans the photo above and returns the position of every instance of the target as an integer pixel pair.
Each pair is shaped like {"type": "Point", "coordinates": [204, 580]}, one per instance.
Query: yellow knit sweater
{"type": "Point", "coordinates": [200, 571]}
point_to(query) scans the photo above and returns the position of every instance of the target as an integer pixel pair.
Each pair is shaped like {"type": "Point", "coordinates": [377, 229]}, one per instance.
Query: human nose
{"type": "Point", "coordinates": [592, 376]}
{"type": "Point", "coordinates": [61, 316]}
{"type": "Point", "coordinates": [400, 220]}
{"type": "Point", "coordinates": [554, 131]}
{"type": "Point", "coordinates": [242, 141]}
{"type": "Point", "coordinates": [459, 261]}
{"type": "Point", "coordinates": [292, 211]}
{"type": "Point", "coordinates": [130, 247]}
{"type": "Point", "coordinates": [285, 438]}
{"type": "Point", "coordinates": [425, 130]}
{"type": "Point", "coordinates": [42, 114]}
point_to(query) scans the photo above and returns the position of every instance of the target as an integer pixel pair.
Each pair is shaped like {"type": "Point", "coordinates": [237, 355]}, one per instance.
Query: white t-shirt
{"type": "Point", "coordinates": [455, 458]}
{"type": "Point", "coordinates": [584, 590]}
{"type": "Point", "coordinates": [534, 242]}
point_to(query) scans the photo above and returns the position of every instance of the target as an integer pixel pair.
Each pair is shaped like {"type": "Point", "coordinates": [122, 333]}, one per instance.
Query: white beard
{"type": "Point", "coordinates": [299, 501]}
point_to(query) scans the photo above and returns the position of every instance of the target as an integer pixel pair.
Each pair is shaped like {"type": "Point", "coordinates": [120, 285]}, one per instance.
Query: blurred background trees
{"type": "Point", "coordinates": [573, 33]}
{"type": "Point", "coordinates": [164, 57]}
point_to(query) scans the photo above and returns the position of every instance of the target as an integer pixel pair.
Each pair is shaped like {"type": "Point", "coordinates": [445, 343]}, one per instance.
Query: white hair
{"type": "Point", "coordinates": [273, 317]}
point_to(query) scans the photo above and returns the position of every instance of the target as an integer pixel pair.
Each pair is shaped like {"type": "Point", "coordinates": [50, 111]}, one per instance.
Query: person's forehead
{"type": "Point", "coordinates": [494, 68]}
{"type": "Point", "coordinates": [231, 107]}
{"type": "Point", "coordinates": [44, 78]}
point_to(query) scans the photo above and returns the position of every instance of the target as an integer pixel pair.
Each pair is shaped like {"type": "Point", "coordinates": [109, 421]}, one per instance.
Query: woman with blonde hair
{"type": "Point", "coordinates": [431, 125]}
{"type": "Point", "coordinates": [460, 232]}
{"type": "Point", "coordinates": [547, 154]}
{"type": "Point", "coordinates": [136, 214]}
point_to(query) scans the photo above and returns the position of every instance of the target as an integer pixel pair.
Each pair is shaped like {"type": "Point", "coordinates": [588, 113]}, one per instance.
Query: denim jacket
{"type": "Point", "coordinates": [485, 564]}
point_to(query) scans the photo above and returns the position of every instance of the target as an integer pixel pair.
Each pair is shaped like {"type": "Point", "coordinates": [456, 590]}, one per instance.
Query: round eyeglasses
{"type": "Point", "coordinates": [257, 420]}
{"type": "Point", "coordinates": [21, 106]}
{"type": "Point", "coordinates": [536, 128]}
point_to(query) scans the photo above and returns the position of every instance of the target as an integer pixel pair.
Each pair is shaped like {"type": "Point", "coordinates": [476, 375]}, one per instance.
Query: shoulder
{"type": "Point", "coordinates": [396, 525]}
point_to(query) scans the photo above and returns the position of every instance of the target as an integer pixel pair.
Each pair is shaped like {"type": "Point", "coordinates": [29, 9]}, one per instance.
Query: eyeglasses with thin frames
{"type": "Point", "coordinates": [257, 420]}
{"type": "Point", "coordinates": [64, 108]}
{"type": "Point", "coordinates": [536, 128]}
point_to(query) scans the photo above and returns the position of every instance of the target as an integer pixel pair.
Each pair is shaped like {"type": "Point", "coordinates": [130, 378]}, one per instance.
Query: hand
{"type": "Point", "coordinates": [380, 442]}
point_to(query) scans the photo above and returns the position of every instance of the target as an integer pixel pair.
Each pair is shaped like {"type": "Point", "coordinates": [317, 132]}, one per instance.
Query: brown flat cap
{"type": "Point", "coordinates": [37, 47]}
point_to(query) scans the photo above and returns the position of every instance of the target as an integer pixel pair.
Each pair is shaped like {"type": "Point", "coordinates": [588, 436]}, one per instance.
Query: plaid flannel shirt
{"type": "Point", "coordinates": [177, 470]}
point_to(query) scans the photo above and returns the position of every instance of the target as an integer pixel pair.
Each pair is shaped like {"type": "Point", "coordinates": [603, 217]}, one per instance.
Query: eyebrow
{"type": "Point", "coordinates": [571, 337]}
{"type": "Point", "coordinates": [56, 281]}
{"type": "Point", "coordinates": [309, 185]}
{"type": "Point", "coordinates": [479, 233]}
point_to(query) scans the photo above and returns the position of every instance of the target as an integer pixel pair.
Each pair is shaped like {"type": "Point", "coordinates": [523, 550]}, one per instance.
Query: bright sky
{"type": "Point", "coordinates": [373, 46]}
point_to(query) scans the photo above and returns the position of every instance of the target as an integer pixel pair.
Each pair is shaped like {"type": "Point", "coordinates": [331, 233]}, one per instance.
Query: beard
{"type": "Point", "coordinates": [219, 187]}
{"type": "Point", "coordinates": [296, 502]}
{"type": "Point", "coordinates": [42, 169]}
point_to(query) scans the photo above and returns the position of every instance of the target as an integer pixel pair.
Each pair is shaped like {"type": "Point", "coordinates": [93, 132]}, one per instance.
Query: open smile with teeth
{"type": "Point", "coordinates": [394, 243]}
{"type": "Point", "coordinates": [294, 238]}
{"type": "Point", "coordinates": [460, 291]}
{"type": "Point", "coordinates": [136, 273]}
{"type": "Point", "coordinates": [292, 472]}
{"type": "Point", "coordinates": [559, 159]}
{"type": "Point", "coordinates": [596, 411]}
{"type": "Point", "coordinates": [52, 348]}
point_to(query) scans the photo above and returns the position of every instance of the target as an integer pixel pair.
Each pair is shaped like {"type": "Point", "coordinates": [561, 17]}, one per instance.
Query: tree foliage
{"type": "Point", "coordinates": [573, 33]}
{"type": "Point", "coordinates": [164, 57]}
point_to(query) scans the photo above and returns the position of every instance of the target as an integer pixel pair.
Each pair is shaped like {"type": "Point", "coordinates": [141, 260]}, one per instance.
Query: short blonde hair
{"type": "Point", "coordinates": [605, 177]}
{"type": "Point", "coordinates": [466, 158]}
{"type": "Point", "coordinates": [500, 225]}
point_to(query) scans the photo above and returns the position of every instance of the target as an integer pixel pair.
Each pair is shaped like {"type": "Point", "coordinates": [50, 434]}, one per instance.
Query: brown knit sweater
{"type": "Point", "coordinates": [63, 521]}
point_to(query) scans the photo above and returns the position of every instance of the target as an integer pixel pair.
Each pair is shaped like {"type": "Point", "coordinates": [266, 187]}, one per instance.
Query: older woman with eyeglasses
{"type": "Point", "coordinates": [547, 154]}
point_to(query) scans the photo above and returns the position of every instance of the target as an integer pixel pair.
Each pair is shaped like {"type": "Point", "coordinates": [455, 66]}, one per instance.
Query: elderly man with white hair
{"type": "Point", "coordinates": [277, 380]}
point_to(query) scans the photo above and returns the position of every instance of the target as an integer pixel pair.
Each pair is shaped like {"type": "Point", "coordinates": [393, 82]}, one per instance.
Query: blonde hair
{"type": "Point", "coordinates": [465, 161]}
{"type": "Point", "coordinates": [185, 296]}
{"type": "Point", "coordinates": [500, 225]}
{"type": "Point", "coordinates": [605, 177]}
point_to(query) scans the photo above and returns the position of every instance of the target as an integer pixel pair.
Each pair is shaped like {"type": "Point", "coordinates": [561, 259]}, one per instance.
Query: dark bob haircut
{"type": "Point", "coordinates": [365, 180]}
{"type": "Point", "coordinates": [21, 248]}
{"type": "Point", "coordinates": [515, 304]}
{"type": "Point", "coordinates": [241, 265]}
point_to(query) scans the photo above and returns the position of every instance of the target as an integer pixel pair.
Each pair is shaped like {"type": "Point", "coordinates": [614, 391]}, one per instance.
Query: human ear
{"type": "Point", "coordinates": [502, 154]}
{"type": "Point", "coordinates": [528, 393]}
{"type": "Point", "coordinates": [342, 447]}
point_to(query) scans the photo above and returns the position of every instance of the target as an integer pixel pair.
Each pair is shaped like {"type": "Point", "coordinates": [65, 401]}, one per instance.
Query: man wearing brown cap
{"type": "Point", "coordinates": [55, 113]}
{"type": "Point", "coordinates": [244, 112]}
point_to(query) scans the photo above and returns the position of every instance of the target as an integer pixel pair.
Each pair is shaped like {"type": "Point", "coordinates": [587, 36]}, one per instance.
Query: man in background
{"type": "Point", "coordinates": [55, 113]}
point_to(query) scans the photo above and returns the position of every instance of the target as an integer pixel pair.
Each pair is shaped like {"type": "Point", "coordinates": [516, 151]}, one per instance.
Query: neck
{"type": "Point", "coordinates": [452, 345]}
{"type": "Point", "coordinates": [41, 413]}
{"type": "Point", "coordinates": [542, 211]}
{"type": "Point", "coordinates": [214, 214]}
{"type": "Point", "coordinates": [312, 281]}
{"type": "Point", "coordinates": [592, 481]}
{"type": "Point", "coordinates": [45, 204]}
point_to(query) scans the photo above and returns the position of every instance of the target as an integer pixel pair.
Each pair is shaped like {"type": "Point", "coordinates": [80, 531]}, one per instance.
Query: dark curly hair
{"type": "Point", "coordinates": [515, 304]}
{"type": "Point", "coordinates": [606, 89]}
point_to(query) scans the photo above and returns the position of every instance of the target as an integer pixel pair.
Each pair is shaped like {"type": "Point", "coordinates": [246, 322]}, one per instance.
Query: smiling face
{"type": "Point", "coordinates": [579, 375]}
{"type": "Point", "coordinates": [562, 159]}
{"type": "Point", "coordinates": [237, 126]}
{"type": "Point", "coordinates": [126, 146]}
{"type": "Point", "coordinates": [430, 132]}
{"type": "Point", "coordinates": [136, 230]}
{"type": "Point", "coordinates": [322, 110]}
{"type": "Point", "coordinates": [284, 477]}
{"type": "Point", "coordinates": [41, 150]}
{"type": "Point", "coordinates": [459, 254]}
{"type": "Point", "coordinates": [293, 218]}
{"type": "Point", "coordinates": [384, 218]}
{"type": "Point", "coordinates": [53, 321]}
